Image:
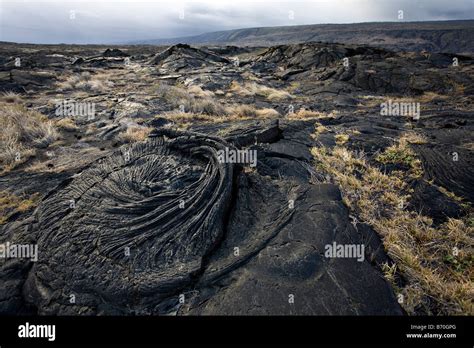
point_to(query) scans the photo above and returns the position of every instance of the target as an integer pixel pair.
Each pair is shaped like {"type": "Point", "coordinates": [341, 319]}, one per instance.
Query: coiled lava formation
{"type": "Point", "coordinates": [132, 228]}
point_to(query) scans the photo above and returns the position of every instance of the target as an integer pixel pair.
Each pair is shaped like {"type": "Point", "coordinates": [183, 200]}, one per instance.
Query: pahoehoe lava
{"type": "Point", "coordinates": [133, 228]}
{"type": "Point", "coordinates": [159, 219]}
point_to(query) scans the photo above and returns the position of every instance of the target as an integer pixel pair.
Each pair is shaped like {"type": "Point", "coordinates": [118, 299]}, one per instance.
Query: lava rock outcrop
{"type": "Point", "coordinates": [184, 56]}
{"type": "Point", "coordinates": [130, 229]}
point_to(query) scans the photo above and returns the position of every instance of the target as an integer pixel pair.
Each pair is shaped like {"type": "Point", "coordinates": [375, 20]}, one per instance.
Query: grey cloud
{"type": "Point", "coordinates": [123, 21]}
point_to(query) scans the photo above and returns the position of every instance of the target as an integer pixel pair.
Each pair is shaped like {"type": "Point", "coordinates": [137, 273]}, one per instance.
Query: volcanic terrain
{"type": "Point", "coordinates": [111, 163]}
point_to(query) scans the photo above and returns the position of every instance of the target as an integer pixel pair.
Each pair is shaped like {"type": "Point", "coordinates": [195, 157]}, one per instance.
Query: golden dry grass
{"type": "Point", "coordinates": [469, 146]}
{"type": "Point", "coordinates": [11, 204]}
{"type": "Point", "coordinates": [243, 110]}
{"type": "Point", "coordinates": [254, 89]}
{"type": "Point", "coordinates": [304, 114]}
{"type": "Point", "coordinates": [199, 92]}
{"type": "Point", "coordinates": [186, 117]}
{"type": "Point", "coordinates": [86, 82]}
{"type": "Point", "coordinates": [66, 123]}
{"type": "Point", "coordinates": [341, 138]}
{"type": "Point", "coordinates": [135, 133]}
{"type": "Point", "coordinates": [413, 138]}
{"type": "Point", "coordinates": [401, 153]}
{"type": "Point", "coordinates": [233, 113]}
{"type": "Point", "coordinates": [23, 131]}
{"type": "Point", "coordinates": [267, 113]}
{"type": "Point", "coordinates": [436, 262]}
{"type": "Point", "coordinates": [11, 97]}
{"type": "Point", "coordinates": [194, 100]}
{"type": "Point", "coordinates": [319, 129]}
{"type": "Point", "coordinates": [250, 111]}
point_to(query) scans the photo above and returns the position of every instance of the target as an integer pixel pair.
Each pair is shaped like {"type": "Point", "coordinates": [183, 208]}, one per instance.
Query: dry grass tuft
{"type": "Point", "coordinates": [135, 133]}
{"type": "Point", "coordinates": [402, 154]}
{"type": "Point", "coordinates": [197, 101]}
{"type": "Point", "coordinates": [303, 114]}
{"type": "Point", "coordinates": [23, 130]}
{"type": "Point", "coordinates": [250, 111]}
{"type": "Point", "coordinates": [67, 124]}
{"type": "Point", "coordinates": [414, 138]}
{"type": "Point", "coordinates": [233, 113]}
{"type": "Point", "coordinates": [341, 138]}
{"type": "Point", "coordinates": [11, 97]}
{"type": "Point", "coordinates": [243, 110]}
{"type": "Point", "coordinates": [199, 92]}
{"type": "Point", "coordinates": [205, 106]}
{"type": "Point", "coordinates": [254, 89]}
{"type": "Point", "coordinates": [319, 129]}
{"type": "Point", "coordinates": [267, 113]}
{"type": "Point", "coordinates": [11, 204]}
{"type": "Point", "coordinates": [86, 82]}
{"type": "Point", "coordinates": [436, 262]}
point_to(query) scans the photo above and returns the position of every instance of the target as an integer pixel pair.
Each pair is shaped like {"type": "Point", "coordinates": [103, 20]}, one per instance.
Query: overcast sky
{"type": "Point", "coordinates": [114, 21]}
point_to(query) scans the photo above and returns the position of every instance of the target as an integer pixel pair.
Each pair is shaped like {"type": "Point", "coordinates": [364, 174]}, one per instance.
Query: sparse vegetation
{"type": "Point", "coordinates": [267, 113]}
{"type": "Point", "coordinates": [199, 92]}
{"type": "Point", "coordinates": [423, 99]}
{"type": "Point", "coordinates": [86, 81]}
{"type": "Point", "coordinates": [319, 129]}
{"type": "Point", "coordinates": [244, 110]}
{"type": "Point", "coordinates": [413, 138]}
{"type": "Point", "coordinates": [11, 97]}
{"type": "Point", "coordinates": [451, 195]}
{"type": "Point", "coordinates": [254, 89]}
{"type": "Point", "coordinates": [249, 111]}
{"type": "Point", "coordinates": [66, 123]}
{"type": "Point", "coordinates": [303, 114]}
{"type": "Point", "coordinates": [233, 113]}
{"type": "Point", "coordinates": [438, 279]}
{"type": "Point", "coordinates": [11, 204]}
{"type": "Point", "coordinates": [197, 101]}
{"type": "Point", "coordinates": [341, 138]}
{"type": "Point", "coordinates": [135, 133]}
{"type": "Point", "coordinates": [402, 154]}
{"type": "Point", "coordinates": [23, 131]}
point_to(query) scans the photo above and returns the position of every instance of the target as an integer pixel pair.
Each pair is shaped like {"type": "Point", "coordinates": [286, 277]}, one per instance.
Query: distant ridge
{"type": "Point", "coordinates": [434, 36]}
